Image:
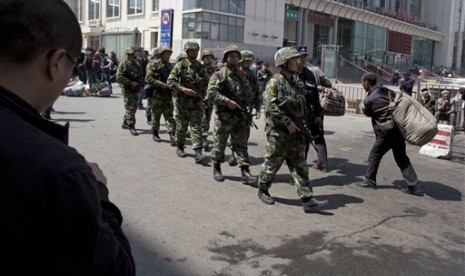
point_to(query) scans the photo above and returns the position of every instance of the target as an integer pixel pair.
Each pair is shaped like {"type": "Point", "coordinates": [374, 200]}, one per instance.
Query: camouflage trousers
{"type": "Point", "coordinates": [207, 115]}
{"type": "Point", "coordinates": [130, 104]}
{"type": "Point", "coordinates": [148, 110]}
{"type": "Point", "coordinates": [188, 112]}
{"type": "Point", "coordinates": [282, 147]}
{"type": "Point", "coordinates": [163, 107]}
{"type": "Point", "coordinates": [231, 124]}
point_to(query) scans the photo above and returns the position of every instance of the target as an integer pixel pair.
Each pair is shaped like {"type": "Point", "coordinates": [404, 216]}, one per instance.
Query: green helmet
{"type": "Point", "coordinates": [246, 55]}
{"type": "Point", "coordinates": [165, 48]}
{"type": "Point", "coordinates": [131, 50]}
{"type": "Point", "coordinates": [230, 49]}
{"type": "Point", "coordinates": [155, 52]}
{"type": "Point", "coordinates": [191, 45]}
{"type": "Point", "coordinates": [285, 54]}
{"type": "Point", "coordinates": [206, 53]}
{"type": "Point", "coordinates": [181, 56]}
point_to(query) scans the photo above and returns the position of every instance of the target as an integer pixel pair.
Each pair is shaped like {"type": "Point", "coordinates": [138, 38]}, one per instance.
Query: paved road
{"type": "Point", "coordinates": [180, 222]}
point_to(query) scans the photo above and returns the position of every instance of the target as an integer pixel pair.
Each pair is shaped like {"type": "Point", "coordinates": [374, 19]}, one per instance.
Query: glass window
{"type": "Point", "coordinates": [232, 32]}
{"type": "Point", "coordinates": [216, 18]}
{"type": "Point", "coordinates": [224, 5]}
{"type": "Point", "coordinates": [241, 7]}
{"type": "Point", "coordinates": [232, 21]}
{"type": "Point", "coordinates": [94, 9]}
{"type": "Point", "coordinates": [113, 8]}
{"type": "Point", "coordinates": [206, 4]}
{"type": "Point", "coordinates": [233, 6]}
{"type": "Point", "coordinates": [155, 5]}
{"type": "Point", "coordinates": [205, 29]}
{"type": "Point", "coordinates": [240, 22]}
{"type": "Point", "coordinates": [78, 9]}
{"type": "Point", "coordinates": [224, 19]}
{"type": "Point", "coordinates": [224, 32]}
{"type": "Point", "coordinates": [216, 5]}
{"type": "Point", "coordinates": [135, 6]}
{"type": "Point", "coordinates": [207, 17]}
{"type": "Point", "coordinates": [215, 31]}
{"type": "Point", "coordinates": [189, 4]}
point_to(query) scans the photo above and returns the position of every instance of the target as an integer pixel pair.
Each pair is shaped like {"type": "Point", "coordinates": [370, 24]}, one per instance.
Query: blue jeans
{"type": "Point", "coordinates": [141, 97]}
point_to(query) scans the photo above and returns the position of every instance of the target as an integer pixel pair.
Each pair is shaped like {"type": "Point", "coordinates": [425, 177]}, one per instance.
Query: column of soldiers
{"type": "Point", "coordinates": [196, 91]}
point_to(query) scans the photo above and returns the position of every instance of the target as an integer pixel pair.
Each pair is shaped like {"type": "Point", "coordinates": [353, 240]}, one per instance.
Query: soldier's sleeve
{"type": "Point", "coordinates": [213, 94]}
{"type": "Point", "coordinates": [120, 78]}
{"type": "Point", "coordinates": [150, 78]}
{"type": "Point", "coordinates": [276, 115]}
{"type": "Point", "coordinates": [173, 79]}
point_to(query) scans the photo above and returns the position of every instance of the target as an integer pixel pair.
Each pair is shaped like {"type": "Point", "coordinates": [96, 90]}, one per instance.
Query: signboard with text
{"type": "Point", "coordinates": [166, 27]}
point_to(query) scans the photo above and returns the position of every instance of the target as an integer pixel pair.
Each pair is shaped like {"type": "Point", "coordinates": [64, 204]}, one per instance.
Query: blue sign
{"type": "Point", "coordinates": [166, 27]}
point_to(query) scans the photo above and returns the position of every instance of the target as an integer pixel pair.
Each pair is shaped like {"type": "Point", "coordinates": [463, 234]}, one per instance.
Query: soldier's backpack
{"type": "Point", "coordinates": [416, 123]}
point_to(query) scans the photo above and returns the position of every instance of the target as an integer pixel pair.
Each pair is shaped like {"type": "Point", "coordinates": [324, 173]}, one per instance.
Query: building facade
{"type": "Point", "coordinates": [424, 33]}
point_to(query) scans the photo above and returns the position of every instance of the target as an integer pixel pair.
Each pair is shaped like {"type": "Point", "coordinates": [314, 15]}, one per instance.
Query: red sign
{"type": "Point", "coordinates": [400, 43]}
{"type": "Point", "coordinates": [320, 20]}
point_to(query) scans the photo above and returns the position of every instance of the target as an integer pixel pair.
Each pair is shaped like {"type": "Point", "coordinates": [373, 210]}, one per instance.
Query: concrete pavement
{"type": "Point", "coordinates": [181, 222]}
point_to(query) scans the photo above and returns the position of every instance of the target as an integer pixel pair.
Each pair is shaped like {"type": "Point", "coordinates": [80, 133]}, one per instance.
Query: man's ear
{"type": "Point", "coordinates": [56, 64]}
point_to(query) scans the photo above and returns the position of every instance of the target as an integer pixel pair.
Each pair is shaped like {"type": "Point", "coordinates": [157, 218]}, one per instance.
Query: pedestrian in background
{"type": "Point", "coordinates": [388, 137]}
{"type": "Point", "coordinates": [427, 100]}
{"type": "Point", "coordinates": [57, 218]}
{"type": "Point", "coordinates": [407, 83]}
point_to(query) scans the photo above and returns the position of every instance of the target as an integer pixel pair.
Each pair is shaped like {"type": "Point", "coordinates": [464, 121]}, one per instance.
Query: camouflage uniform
{"type": "Point", "coordinates": [161, 100]}
{"type": "Point", "coordinates": [129, 72]}
{"type": "Point", "coordinates": [189, 109]}
{"type": "Point", "coordinates": [230, 122]}
{"type": "Point", "coordinates": [255, 97]}
{"type": "Point", "coordinates": [148, 110]}
{"type": "Point", "coordinates": [209, 70]}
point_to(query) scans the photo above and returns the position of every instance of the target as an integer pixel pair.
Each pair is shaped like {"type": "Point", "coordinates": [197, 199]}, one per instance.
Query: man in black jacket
{"type": "Point", "coordinates": [57, 218]}
{"type": "Point", "coordinates": [388, 136]}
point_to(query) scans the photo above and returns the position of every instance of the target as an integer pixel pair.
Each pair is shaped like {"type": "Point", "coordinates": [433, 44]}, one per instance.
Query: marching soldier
{"type": "Point", "coordinates": [160, 94]}
{"type": "Point", "coordinates": [148, 111]}
{"type": "Point", "coordinates": [187, 79]}
{"type": "Point", "coordinates": [285, 141]}
{"type": "Point", "coordinates": [131, 77]}
{"type": "Point", "coordinates": [207, 59]}
{"type": "Point", "coordinates": [247, 57]}
{"type": "Point", "coordinates": [231, 100]}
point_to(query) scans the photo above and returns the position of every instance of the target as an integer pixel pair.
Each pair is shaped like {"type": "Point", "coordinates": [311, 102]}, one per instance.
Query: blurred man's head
{"type": "Point", "coordinates": [42, 40]}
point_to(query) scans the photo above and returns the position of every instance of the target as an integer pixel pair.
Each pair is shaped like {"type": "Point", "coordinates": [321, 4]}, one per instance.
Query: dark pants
{"type": "Point", "coordinates": [386, 140]}
{"type": "Point", "coordinates": [320, 144]}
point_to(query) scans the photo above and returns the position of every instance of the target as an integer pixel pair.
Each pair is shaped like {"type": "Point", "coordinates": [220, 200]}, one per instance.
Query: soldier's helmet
{"type": "Point", "coordinates": [246, 55]}
{"type": "Point", "coordinates": [131, 50]}
{"type": "Point", "coordinates": [165, 48]}
{"type": "Point", "coordinates": [191, 45]}
{"type": "Point", "coordinates": [155, 52]}
{"type": "Point", "coordinates": [230, 49]}
{"type": "Point", "coordinates": [206, 53]}
{"type": "Point", "coordinates": [181, 56]}
{"type": "Point", "coordinates": [285, 54]}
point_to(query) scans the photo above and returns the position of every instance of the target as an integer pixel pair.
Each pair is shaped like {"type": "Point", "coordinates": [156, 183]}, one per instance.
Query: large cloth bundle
{"type": "Point", "coordinates": [333, 102]}
{"type": "Point", "coordinates": [416, 123]}
{"type": "Point", "coordinates": [100, 89]}
{"type": "Point", "coordinates": [76, 89]}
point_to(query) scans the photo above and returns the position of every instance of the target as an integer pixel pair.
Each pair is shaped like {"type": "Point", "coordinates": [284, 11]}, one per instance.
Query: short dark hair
{"type": "Point", "coordinates": [424, 89]}
{"type": "Point", "coordinates": [370, 77]}
{"type": "Point", "coordinates": [30, 28]}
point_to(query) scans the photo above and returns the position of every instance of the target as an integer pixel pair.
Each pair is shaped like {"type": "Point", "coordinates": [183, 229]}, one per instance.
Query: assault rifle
{"type": "Point", "coordinates": [189, 83]}
{"type": "Point", "coordinates": [289, 111]}
{"type": "Point", "coordinates": [160, 75]}
{"type": "Point", "coordinates": [226, 90]}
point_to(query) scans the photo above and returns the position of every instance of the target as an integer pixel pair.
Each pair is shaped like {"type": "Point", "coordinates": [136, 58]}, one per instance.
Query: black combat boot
{"type": "Point", "coordinates": [217, 175]}
{"type": "Point", "coordinates": [172, 139]}
{"type": "Point", "coordinates": [198, 156]}
{"type": "Point", "coordinates": [180, 151]}
{"type": "Point", "coordinates": [247, 178]}
{"type": "Point", "coordinates": [133, 131]}
{"type": "Point", "coordinates": [265, 196]}
{"type": "Point", "coordinates": [124, 125]}
{"type": "Point", "coordinates": [232, 159]}
{"type": "Point", "coordinates": [156, 137]}
{"type": "Point", "coordinates": [149, 119]}
{"type": "Point", "coordinates": [311, 203]}
{"type": "Point", "coordinates": [414, 190]}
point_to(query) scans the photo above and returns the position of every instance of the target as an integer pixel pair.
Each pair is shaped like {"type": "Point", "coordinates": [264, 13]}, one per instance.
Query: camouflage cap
{"type": "Point", "coordinates": [191, 45]}
{"type": "Point", "coordinates": [247, 55]}
{"type": "Point", "coordinates": [285, 54]}
{"type": "Point", "coordinates": [131, 50]}
{"type": "Point", "coordinates": [230, 49]}
{"type": "Point", "coordinates": [206, 53]}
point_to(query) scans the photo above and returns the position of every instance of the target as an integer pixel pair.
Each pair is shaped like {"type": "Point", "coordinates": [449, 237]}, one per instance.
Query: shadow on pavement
{"type": "Point", "coordinates": [436, 190]}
